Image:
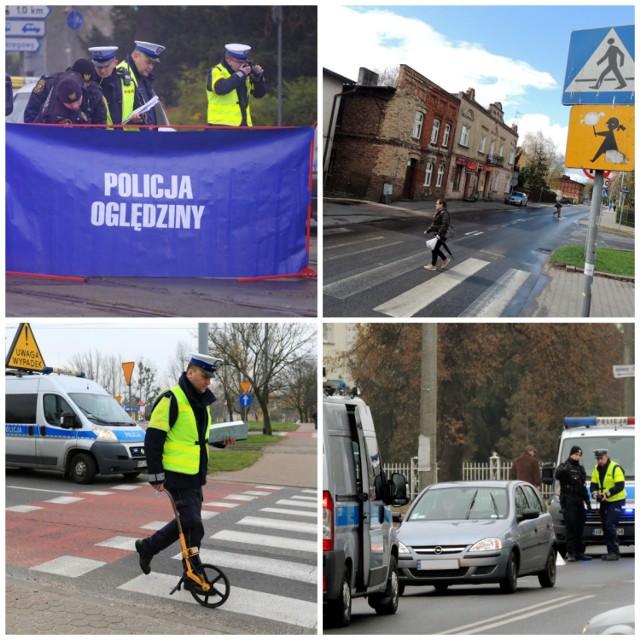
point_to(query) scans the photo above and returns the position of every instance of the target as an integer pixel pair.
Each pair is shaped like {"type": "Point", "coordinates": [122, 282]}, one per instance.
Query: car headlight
{"type": "Point", "coordinates": [403, 550]}
{"type": "Point", "coordinates": [487, 544]}
{"type": "Point", "coordinates": [105, 434]}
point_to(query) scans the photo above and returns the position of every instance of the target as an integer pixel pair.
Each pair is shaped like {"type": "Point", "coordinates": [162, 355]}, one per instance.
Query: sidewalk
{"type": "Point", "coordinates": [293, 462]}
{"type": "Point", "coordinates": [558, 293]}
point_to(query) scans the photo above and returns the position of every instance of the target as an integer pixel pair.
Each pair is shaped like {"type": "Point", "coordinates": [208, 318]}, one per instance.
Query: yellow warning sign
{"type": "Point", "coordinates": [601, 137]}
{"type": "Point", "coordinates": [127, 367]}
{"type": "Point", "coordinates": [245, 386]}
{"type": "Point", "coordinates": [24, 352]}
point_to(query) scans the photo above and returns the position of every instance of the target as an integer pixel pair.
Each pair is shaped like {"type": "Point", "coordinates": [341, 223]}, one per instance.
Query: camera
{"type": "Point", "coordinates": [254, 71]}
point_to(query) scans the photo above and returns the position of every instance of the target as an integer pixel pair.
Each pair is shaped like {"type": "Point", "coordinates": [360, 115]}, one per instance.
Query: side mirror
{"type": "Point", "coordinates": [530, 514]}
{"type": "Point", "coordinates": [547, 475]}
{"type": "Point", "coordinates": [396, 516]}
{"type": "Point", "coordinates": [69, 420]}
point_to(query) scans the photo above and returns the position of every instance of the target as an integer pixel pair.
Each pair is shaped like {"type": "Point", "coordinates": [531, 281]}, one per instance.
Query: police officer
{"type": "Point", "coordinates": [607, 487]}
{"type": "Point", "coordinates": [137, 81]}
{"type": "Point", "coordinates": [105, 61]}
{"type": "Point", "coordinates": [64, 104]}
{"type": "Point", "coordinates": [176, 445]}
{"type": "Point", "coordinates": [574, 500]}
{"type": "Point", "coordinates": [230, 85]}
{"type": "Point", "coordinates": [93, 107]}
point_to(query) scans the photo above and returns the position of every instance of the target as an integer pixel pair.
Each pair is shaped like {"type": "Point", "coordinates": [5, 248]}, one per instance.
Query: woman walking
{"type": "Point", "coordinates": [439, 226]}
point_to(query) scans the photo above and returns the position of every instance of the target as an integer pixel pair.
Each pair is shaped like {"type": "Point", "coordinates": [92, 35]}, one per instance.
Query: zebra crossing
{"type": "Point", "coordinates": [491, 302]}
{"type": "Point", "coordinates": [265, 540]}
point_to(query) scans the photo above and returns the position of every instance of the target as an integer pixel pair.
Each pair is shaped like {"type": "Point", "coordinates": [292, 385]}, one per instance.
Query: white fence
{"type": "Point", "coordinates": [495, 469]}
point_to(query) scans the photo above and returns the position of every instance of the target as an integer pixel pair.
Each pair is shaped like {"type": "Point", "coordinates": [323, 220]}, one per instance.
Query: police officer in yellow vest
{"type": "Point", "coordinates": [607, 487]}
{"type": "Point", "coordinates": [176, 446]}
{"type": "Point", "coordinates": [105, 62]}
{"type": "Point", "coordinates": [137, 81]}
{"type": "Point", "coordinates": [231, 84]}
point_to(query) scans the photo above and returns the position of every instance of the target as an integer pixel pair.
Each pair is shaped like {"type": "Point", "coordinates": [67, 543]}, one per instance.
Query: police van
{"type": "Point", "coordinates": [617, 436]}
{"type": "Point", "coordinates": [69, 424]}
{"type": "Point", "coordinates": [359, 545]}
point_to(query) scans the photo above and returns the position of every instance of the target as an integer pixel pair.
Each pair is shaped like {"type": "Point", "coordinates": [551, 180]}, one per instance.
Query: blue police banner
{"type": "Point", "coordinates": [216, 203]}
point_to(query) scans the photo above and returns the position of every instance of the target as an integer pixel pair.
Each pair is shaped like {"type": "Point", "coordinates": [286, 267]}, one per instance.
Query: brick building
{"type": "Point", "coordinates": [573, 190]}
{"type": "Point", "coordinates": [483, 151]}
{"type": "Point", "coordinates": [393, 142]}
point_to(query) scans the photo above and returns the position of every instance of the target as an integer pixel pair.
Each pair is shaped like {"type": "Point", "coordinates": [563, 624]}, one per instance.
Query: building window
{"type": "Point", "coordinates": [428, 174]}
{"type": "Point", "coordinates": [512, 157]}
{"type": "Point", "coordinates": [435, 131]}
{"type": "Point", "coordinates": [464, 136]}
{"type": "Point", "coordinates": [492, 149]}
{"type": "Point", "coordinates": [457, 177]}
{"type": "Point", "coordinates": [501, 153]}
{"type": "Point", "coordinates": [417, 125]}
{"type": "Point", "coordinates": [483, 142]}
{"type": "Point", "coordinates": [440, 176]}
{"type": "Point", "coordinates": [445, 136]}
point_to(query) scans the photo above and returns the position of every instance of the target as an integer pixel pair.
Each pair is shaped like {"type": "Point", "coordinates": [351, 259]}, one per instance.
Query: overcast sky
{"type": "Point", "coordinates": [516, 55]}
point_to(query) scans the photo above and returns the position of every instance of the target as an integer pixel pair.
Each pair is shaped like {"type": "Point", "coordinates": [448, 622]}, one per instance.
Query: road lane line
{"type": "Point", "coordinates": [378, 247]}
{"type": "Point", "coordinates": [509, 617]}
{"type": "Point", "coordinates": [258, 539]}
{"type": "Point", "coordinates": [496, 298]}
{"type": "Point", "coordinates": [13, 486]}
{"type": "Point", "coordinates": [410, 302]}
{"type": "Point", "coordinates": [283, 525]}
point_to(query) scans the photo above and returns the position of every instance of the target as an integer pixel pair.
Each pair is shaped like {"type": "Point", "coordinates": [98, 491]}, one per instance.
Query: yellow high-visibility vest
{"type": "Point", "coordinates": [225, 109]}
{"type": "Point", "coordinates": [614, 474]}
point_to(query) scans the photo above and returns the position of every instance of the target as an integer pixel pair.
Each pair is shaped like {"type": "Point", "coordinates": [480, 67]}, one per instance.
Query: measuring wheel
{"type": "Point", "coordinates": [219, 587]}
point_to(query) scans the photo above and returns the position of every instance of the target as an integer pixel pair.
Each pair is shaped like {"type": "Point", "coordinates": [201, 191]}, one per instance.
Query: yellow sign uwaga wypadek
{"type": "Point", "coordinates": [24, 352]}
{"type": "Point", "coordinates": [601, 137]}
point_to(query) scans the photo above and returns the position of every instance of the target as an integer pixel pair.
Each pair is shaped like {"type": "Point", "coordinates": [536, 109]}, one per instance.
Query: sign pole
{"type": "Point", "coordinates": [590, 248]}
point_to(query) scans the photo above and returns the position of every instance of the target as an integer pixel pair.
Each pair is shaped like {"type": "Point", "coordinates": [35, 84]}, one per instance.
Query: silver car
{"type": "Point", "coordinates": [477, 532]}
{"type": "Point", "coordinates": [519, 198]}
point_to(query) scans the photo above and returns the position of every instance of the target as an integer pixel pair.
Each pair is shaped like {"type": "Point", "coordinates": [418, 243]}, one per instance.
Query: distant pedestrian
{"type": "Point", "coordinates": [526, 467]}
{"type": "Point", "coordinates": [607, 487]}
{"type": "Point", "coordinates": [440, 226]}
{"type": "Point", "coordinates": [574, 500]}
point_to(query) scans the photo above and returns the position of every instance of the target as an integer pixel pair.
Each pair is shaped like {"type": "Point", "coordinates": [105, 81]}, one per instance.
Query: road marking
{"type": "Point", "coordinates": [13, 486]}
{"type": "Point", "coordinates": [361, 251]}
{"type": "Point", "coordinates": [119, 542]}
{"type": "Point", "coordinates": [128, 487]}
{"type": "Point", "coordinates": [261, 540]}
{"type": "Point", "coordinates": [370, 278]}
{"type": "Point", "coordinates": [310, 498]}
{"type": "Point", "coordinates": [64, 500]}
{"type": "Point", "coordinates": [23, 508]}
{"type": "Point", "coordinates": [350, 244]}
{"type": "Point", "coordinates": [268, 486]}
{"type": "Point", "coordinates": [226, 505]}
{"type": "Point", "coordinates": [257, 564]}
{"type": "Point", "coordinates": [410, 302]}
{"type": "Point", "coordinates": [239, 497]}
{"type": "Point", "coordinates": [290, 512]}
{"type": "Point", "coordinates": [69, 566]}
{"type": "Point", "coordinates": [296, 503]}
{"type": "Point", "coordinates": [258, 493]}
{"type": "Point", "coordinates": [153, 526]}
{"type": "Point", "coordinates": [533, 610]}
{"type": "Point", "coordinates": [496, 298]}
{"type": "Point", "coordinates": [283, 525]}
{"type": "Point", "coordinates": [244, 601]}
{"type": "Point", "coordinates": [98, 493]}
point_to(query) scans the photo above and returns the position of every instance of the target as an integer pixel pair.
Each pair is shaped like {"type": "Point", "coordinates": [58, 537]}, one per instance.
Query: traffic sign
{"type": "Point", "coordinates": [601, 138]}
{"type": "Point", "coordinates": [606, 183]}
{"type": "Point", "coordinates": [24, 28]}
{"type": "Point", "coordinates": [21, 44]}
{"type": "Point", "coordinates": [245, 386]}
{"type": "Point", "coordinates": [624, 370]}
{"type": "Point", "coordinates": [127, 368]}
{"type": "Point", "coordinates": [591, 174]}
{"type": "Point", "coordinates": [600, 67]}
{"type": "Point", "coordinates": [24, 352]}
{"type": "Point", "coordinates": [74, 20]}
{"type": "Point", "coordinates": [245, 400]}
{"type": "Point", "coordinates": [26, 11]}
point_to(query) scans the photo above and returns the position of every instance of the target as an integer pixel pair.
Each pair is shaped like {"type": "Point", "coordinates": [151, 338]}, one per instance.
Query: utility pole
{"type": "Point", "coordinates": [628, 332]}
{"type": "Point", "coordinates": [203, 338]}
{"type": "Point", "coordinates": [427, 471]}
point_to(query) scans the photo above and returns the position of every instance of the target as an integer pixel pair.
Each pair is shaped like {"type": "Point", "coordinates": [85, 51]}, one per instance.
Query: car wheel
{"type": "Point", "coordinates": [337, 613]}
{"type": "Point", "coordinates": [83, 469]}
{"type": "Point", "coordinates": [547, 577]}
{"type": "Point", "coordinates": [509, 583]}
{"type": "Point", "coordinates": [386, 603]}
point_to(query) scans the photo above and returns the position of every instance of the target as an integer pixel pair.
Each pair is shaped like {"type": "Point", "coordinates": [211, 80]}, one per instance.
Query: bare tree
{"type": "Point", "coordinates": [105, 370]}
{"type": "Point", "coordinates": [300, 385]}
{"type": "Point", "coordinates": [261, 352]}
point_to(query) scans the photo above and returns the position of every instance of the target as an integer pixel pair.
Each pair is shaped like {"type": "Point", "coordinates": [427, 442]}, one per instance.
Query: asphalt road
{"type": "Point", "coordinates": [374, 268]}
{"type": "Point", "coordinates": [77, 542]}
{"type": "Point", "coordinates": [583, 590]}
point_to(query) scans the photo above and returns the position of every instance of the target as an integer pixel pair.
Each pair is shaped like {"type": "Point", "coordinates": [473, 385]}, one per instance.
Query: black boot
{"type": "Point", "coordinates": [144, 556]}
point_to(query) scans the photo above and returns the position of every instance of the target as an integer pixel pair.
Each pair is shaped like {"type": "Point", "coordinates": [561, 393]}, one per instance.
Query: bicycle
{"type": "Point", "coordinates": [211, 587]}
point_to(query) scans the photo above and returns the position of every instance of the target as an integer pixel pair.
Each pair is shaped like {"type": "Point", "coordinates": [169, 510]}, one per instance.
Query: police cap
{"type": "Point", "coordinates": [84, 68]}
{"type": "Point", "coordinates": [600, 452]}
{"type": "Point", "coordinates": [150, 49]}
{"type": "Point", "coordinates": [68, 90]}
{"type": "Point", "coordinates": [208, 364]}
{"type": "Point", "coordinates": [103, 56]}
{"type": "Point", "coordinates": [239, 51]}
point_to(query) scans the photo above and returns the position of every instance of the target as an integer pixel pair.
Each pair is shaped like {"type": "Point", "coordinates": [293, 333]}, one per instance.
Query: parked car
{"type": "Point", "coordinates": [518, 198]}
{"type": "Point", "coordinates": [619, 622]}
{"type": "Point", "coordinates": [477, 532]}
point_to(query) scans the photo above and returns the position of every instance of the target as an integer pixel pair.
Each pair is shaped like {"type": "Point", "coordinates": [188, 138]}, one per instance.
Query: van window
{"type": "Point", "coordinates": [21, 408]}
{"type": "Point", "coordinates": [54, 405]}
{"type": "Point", "coordinates": [102, 409]}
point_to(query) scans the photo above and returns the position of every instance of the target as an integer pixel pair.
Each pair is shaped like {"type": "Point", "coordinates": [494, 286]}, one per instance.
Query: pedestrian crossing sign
{"type": "Point", "coordinates": [601, 138]}
{"type": "Point", "coordinates": [24, 353]}
{"type": "Point", "coordinates": [601, 67]}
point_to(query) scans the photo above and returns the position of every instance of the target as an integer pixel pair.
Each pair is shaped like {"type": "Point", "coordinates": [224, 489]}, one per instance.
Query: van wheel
{"type": "Point", "coordinates": [337, 613]}
{"type": "Point", "coordinates": [83, 469]}
{"type": "Point", "coordinates": [509, 583]}
{"type": "Point", "coordinates": [386, 603]}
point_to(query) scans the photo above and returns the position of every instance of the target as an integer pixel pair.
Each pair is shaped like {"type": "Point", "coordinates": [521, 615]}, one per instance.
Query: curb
{"type": "Point", "coordinates": [602, 274]}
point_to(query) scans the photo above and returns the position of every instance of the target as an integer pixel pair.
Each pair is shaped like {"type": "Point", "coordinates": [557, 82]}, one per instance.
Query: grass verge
{"type": "Point", "coordinates": [614, 261]}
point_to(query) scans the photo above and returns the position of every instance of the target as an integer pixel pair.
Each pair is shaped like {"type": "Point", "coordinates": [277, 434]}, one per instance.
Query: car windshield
{"type": "Point", "coordinates": [461, 503]}
{"type": "Point", "coordinates": [102, 410]}
{"type": "Point", "coordinates": [620, 448]}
